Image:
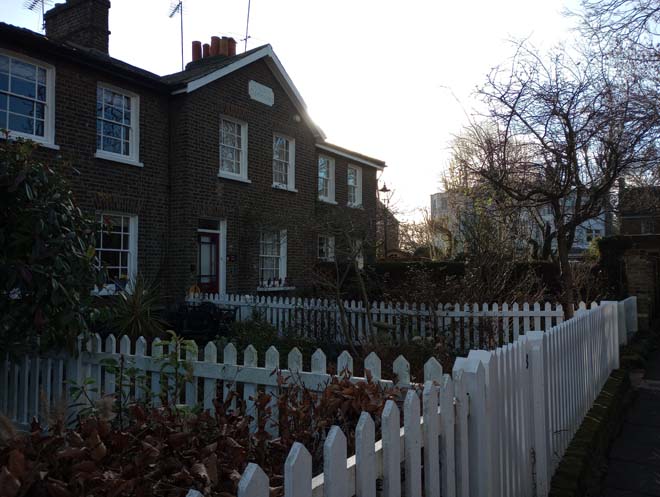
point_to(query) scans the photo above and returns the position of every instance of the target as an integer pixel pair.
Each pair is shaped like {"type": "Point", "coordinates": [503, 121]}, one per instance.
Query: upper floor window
{"type": "Point", "coordinates": [354, 186]}
{"type": "Point", "coordinates": [116, 249]}
{"type": "Point", "coordinates": [284, 162]}
{"type": "Point", "coordinates": [233, 149]}
{"type": "Point", "coordinates": [647, 226]}
{"type": "Point", "coordinates": [26, 98]}
{"type": "Point", "coordinates": [117, 124]}
{"type": "Point", "coordinates": [326, 179]}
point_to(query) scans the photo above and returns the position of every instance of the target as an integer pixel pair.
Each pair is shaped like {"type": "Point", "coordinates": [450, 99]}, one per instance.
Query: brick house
{"type": "Point", "coordinates": [214, 175]}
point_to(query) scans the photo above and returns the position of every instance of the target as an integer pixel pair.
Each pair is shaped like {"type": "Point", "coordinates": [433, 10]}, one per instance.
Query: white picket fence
{"type": "Point", "coordinates": [466, 326]}
{"type": "Point", "coordinates": [497, 426]}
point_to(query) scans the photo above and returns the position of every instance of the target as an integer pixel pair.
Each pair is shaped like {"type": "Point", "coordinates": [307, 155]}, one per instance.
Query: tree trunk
{"type": "Point", "coordinates": [567, 283]}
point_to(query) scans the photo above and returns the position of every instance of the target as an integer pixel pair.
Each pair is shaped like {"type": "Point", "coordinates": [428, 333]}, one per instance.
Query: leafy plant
{"type": "Point", "coordinates": [136, 311]}
{"type": "Point", "coordinates": [47, 253]}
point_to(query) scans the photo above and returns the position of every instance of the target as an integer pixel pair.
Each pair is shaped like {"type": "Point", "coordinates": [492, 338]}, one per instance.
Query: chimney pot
{"type": "Point", "coordinates": [231, 47]}
{"type": "Point", "coordinates": [224, 47]}
{"type": "Point", "coordinates": [196, 50]}
{"type": "Point", "coordinates": [206, 50]}
{"type": "Point", "coordinates": [215, 45]}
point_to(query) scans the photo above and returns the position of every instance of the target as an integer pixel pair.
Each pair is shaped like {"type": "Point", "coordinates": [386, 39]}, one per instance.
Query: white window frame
{"type": "Point", "coordinates": [329, 248]}
{"type": "Point", "coordinates": [291, 166]}
{"type": "Point", "coordinates": [48, 140]}
{"type": "Point", "coordinates": [358, 187]}
{"type": "Point", "coordinates": [110, 288]}
{"type": "Point", "coordinates": [330, 198]}
{"type": "Point", "coordinates": [133, 159]}
{"type": "Point", "coordinates": [263, 285]}
{"type": "Point", "coordinates": [242, 175]}
{"type": "Point", "coordinates": [357, 248]}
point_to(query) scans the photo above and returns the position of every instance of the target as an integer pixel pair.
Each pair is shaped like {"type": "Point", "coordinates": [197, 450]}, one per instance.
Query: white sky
{"type": "Point", "coordinates": [386, 78]}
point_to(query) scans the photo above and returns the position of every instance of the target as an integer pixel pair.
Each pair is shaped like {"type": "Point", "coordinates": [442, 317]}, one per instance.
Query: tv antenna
{"type": "Point", "coordinates": [177, 8]}
{"type": "Point", "coordinates": [247, 28]}
{"type": "Point", "coordinates": [36, 6]}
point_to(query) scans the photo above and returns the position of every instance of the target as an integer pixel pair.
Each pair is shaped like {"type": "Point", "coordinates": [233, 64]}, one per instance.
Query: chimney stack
{"type": "Point", "coordinates": [224, 46]}
{"type": "Point", "coordinates": [83, 22]}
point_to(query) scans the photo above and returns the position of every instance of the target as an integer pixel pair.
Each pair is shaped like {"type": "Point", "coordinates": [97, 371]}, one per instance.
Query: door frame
{"type": "Point", "coordinates": [222, 253]}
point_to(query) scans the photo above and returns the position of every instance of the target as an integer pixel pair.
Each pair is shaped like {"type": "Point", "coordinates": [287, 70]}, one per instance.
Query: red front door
{"type": "Point", "coordinates": [208, 275]}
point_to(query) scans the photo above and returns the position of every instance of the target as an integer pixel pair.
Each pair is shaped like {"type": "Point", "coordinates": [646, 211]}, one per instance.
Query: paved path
{"type": "Point", "coordinates": [634, 461]}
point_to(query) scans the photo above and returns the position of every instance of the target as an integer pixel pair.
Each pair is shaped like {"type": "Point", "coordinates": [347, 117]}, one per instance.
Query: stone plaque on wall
{"type": "Point", "coordinates": [261, 93]}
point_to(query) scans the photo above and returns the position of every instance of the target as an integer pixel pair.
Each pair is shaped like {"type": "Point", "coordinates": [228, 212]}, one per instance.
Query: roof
{"type": "Point", "coordinates": [196, 75]}
{"type": "Point", "coordinates": [197, 69]}
{"type": "Point", "coordinates": [349, 154]}
{"type": "Point", "coordinates": [83, 55]}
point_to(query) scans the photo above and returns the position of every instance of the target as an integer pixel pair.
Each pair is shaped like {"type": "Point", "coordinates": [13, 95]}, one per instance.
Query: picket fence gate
{"type": "Point", "coordinates": [498, 426]}
{"type": "Point", "coordinates": [465, 326]}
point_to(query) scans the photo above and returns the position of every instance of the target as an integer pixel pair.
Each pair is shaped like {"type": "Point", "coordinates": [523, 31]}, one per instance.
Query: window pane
{"type": "Point", "coordinates": [23, 87]}
{"type": "Point", "coordinates": [41, 93]}
{"type": "Point", "coordinates": [4, 82]}
{"type": "Point", "coordinates": [40, 110]}
{"type": "Point", "coordinates": [113, 130]}
{"type": "Point", "coordinates": [127, 117]}
{"type": "Point", "coordinates": [23, 70]}
{"type": "Point", "coordinates": [21, 106]}
{"type": "Point", "coordinates": [4, 63]}
{"type": "Point", "coordinates": [39, 128]}
{"type": "Point", "coordinates": [112, 114]}
{"type": "Point", "coordinates": [41, 75]}
{"type": "Point", "coordinates": [3, 102]}
{"type": "Point", "coordinates": [3, 119]}
{"type": "Point", "coordinates": [21, 124]}
{"type": "Point", "coordinates": [111, 145]}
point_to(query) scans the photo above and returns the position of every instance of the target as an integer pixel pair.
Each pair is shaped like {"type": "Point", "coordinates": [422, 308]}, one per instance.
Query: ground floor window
{"type": "Point", "coordinates": [326, 248]}
{"type": "Point", "coordinates": [272, 258]}
{"type": "Point", "coordinates": [116, 249]}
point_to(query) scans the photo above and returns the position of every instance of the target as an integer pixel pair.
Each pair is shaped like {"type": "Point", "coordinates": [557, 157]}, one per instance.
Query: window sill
{"type": "Point", "coordinates": [37, 140]}
{"type": "Point", "coordinates": [233, 177]}
{"type": "Point", "coordinates": [355, 206]}
{"type": "Point", "coordinates": [277, 186]}
{"type": "Point", "coordinates": [327, 201]}
{"type": "Point", "coordinates": [275, 288]}
{"type": "Point", "coordinates": [100, 154]}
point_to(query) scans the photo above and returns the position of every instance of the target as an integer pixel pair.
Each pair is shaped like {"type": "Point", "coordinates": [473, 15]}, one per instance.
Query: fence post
{"type": "Point", "coordinates": [461, 438]}
{"type": "Point", "coordinates": [540, 442]}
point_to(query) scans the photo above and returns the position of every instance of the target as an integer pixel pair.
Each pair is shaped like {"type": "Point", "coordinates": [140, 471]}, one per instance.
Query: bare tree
{"type": "Point", "coordinates": [558, 132]}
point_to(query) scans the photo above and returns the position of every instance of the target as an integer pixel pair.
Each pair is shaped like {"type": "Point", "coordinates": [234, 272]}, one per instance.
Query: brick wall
{"type": "Point", "coordinates": [198, 192]}
{"type": "Point", "coordinates": [84, 22]}
{"type": "Point", "coordinates": [642, 269]}
{"type": "Point", "coordinates": [99, 184]}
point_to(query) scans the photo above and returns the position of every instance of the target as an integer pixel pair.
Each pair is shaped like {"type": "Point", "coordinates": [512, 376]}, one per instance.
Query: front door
{"type": "Point", "coordinates": [208, 274]}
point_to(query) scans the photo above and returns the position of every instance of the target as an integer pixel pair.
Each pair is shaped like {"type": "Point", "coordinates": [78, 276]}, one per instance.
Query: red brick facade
{"type": "Point", "coordinates": [178, 189]}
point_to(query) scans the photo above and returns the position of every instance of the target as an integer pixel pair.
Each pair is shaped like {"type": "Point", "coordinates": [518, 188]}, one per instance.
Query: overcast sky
{"type": "Point", "coordinates": [386, 78]}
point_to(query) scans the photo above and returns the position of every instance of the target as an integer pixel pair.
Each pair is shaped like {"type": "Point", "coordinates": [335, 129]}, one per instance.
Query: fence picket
{"type": "Point", "coordinates": [365, 456]}
{"type": "Point", "coordinates": [210, 356]}
{"type": "Point", "coordinates": [335, 474]}
{"type": "Point", "coordinates": [431, 434]}
{"type": "Point", "coordinates": [298, 472]}
{"type": "Point", "coordinates": [272, 365]}
{"type": "Point", "coordinates": [372, 363]}
{"type": "Point", "coordinates": [254, 482]}
{"type": "Point", "coordinates": [391, 450]}
{"type": "Point", "coordinates": [401, 368]}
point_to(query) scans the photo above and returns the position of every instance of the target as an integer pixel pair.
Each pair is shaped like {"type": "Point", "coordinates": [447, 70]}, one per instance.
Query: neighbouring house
{"type": "Point", "coordinates": [639, 225]}
{"type": "Point", "coordinates": [449, 210]}
{"type": "Point", "coordinates": [214, 176]}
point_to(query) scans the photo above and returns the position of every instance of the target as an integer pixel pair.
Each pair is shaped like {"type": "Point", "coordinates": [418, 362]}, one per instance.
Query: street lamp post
{"type": "Point", "coordinates": [385, 191]}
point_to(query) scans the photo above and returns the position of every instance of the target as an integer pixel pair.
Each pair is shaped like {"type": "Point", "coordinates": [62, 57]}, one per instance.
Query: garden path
{"type": "Point", "coordinates": [634, 460]}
